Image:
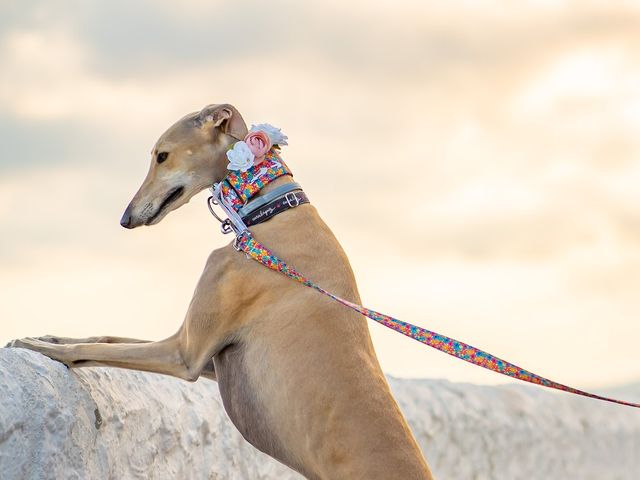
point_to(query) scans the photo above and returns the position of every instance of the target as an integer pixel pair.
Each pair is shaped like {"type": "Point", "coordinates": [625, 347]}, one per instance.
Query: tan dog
{"type": "Point", "coordinates": [297, 372]}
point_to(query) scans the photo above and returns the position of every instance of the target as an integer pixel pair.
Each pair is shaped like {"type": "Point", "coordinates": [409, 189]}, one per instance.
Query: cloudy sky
{"type": "Point", "coordinates": [479, 162]}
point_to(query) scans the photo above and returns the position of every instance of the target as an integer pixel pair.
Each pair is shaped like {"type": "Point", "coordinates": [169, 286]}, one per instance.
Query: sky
{"type": "Point", "coordinates": [478, 161]}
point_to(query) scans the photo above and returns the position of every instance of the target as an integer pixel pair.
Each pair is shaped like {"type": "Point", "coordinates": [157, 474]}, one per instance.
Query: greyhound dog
{"type": "Point", "coordinates": [297, 373]}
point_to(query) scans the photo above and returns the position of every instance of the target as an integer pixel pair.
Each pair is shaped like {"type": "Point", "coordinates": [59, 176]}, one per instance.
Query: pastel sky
{"type": "Point", "coordinates": [479, 162]}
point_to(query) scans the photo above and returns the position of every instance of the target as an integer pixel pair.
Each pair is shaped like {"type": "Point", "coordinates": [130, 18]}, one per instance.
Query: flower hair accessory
{"type": "Point", "coordinates": [255, 146]}
{"type": "Point", "coordinates": [240, 157]}
{"type": "Point", "coordinates": [275, 134]}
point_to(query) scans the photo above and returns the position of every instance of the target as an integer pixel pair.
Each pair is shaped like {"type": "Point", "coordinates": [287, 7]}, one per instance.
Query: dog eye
{"type": "Point", "coordinates": [162, 156]}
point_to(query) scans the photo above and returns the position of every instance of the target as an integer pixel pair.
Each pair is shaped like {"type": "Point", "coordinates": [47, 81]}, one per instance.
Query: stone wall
{"type": "Point", "coordinates": [100, 423]}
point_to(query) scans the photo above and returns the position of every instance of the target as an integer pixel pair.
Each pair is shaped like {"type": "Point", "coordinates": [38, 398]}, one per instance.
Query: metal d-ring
{"type": "Point", "coordinates": [210, 203]}
{"type": "Point", "coordinates": [225, 223]}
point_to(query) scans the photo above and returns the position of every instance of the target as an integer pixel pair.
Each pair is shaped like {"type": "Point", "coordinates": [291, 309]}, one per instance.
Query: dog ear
{"type": "Point", "coordinates": [224, 116]}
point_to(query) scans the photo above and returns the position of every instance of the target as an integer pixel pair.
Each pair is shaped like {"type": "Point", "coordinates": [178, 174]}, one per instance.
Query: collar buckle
{"type": "Point", "coordinates": [292, 199]}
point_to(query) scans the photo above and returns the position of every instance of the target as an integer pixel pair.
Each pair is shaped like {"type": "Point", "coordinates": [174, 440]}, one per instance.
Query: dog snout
{"type": "Point", "coordinates": [127, 220]}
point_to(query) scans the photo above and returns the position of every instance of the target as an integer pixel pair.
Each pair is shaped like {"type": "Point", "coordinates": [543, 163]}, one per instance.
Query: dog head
{"type": "Point", "coordinates": [186, 159]}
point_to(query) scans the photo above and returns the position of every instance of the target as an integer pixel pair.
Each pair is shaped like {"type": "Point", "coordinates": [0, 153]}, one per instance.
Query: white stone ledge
{"type": "Point", "coordinates": [100, 423]}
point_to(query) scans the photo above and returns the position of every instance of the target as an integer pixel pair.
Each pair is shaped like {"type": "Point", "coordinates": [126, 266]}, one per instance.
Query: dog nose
{"type": "Point", "coordinates": [125, 221]}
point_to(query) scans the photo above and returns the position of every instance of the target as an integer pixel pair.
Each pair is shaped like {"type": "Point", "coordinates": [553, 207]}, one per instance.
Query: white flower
{"type": "Point", "coordinates": [240, 157]}
{"type": "Point", "coordinates": [275, 135]}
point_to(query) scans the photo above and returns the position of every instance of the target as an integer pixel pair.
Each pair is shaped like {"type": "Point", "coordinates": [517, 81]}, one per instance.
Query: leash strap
{"type": "Point", "coordinates": [255, 250]}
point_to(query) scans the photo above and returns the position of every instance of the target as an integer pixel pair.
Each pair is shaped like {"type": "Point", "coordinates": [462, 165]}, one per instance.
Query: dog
{"type": "Point", "coordinates": [297, 373]}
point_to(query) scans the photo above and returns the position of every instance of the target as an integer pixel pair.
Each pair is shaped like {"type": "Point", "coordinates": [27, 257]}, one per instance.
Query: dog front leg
{"type": "Point", "coordinates": [208, 371]}
{"type": "Point", "coordinates": [167, 356]}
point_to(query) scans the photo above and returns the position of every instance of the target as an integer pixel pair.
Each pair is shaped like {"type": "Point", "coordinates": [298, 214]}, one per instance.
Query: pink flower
{"type": "Point", "coordinates": [259, 144]}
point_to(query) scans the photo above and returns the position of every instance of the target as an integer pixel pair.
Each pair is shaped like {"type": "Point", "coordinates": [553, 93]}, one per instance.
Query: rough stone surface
{"type": "Point", "coordinates": [115, 424]}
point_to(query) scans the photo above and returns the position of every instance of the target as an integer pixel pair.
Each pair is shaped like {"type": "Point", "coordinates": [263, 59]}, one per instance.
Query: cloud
{"type": "Point", "coordinates": [484, 158]}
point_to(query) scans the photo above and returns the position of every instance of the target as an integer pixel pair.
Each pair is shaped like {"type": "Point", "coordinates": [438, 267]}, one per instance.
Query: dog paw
{"type": "Point", "coordinates": [20, 343]}
{"type": "Point", "coordinates": [56, 352]}
{"type": "Point", "coordinates": [51, 350]}
{"type": "Point", "coordinates": [27, 342]}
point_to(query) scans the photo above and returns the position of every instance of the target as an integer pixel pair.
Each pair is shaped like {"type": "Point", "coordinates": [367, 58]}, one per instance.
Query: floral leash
{"type": "Point", "coordinates": [255, 153]}
{"type": "Point", "coordinates": [255, 250]}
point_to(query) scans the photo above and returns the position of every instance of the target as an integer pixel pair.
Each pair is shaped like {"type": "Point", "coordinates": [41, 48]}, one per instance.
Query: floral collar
{"type": "Point", "coordinates": [239, 187]}
{"type": "Point", "coordinates": [253, 163]}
